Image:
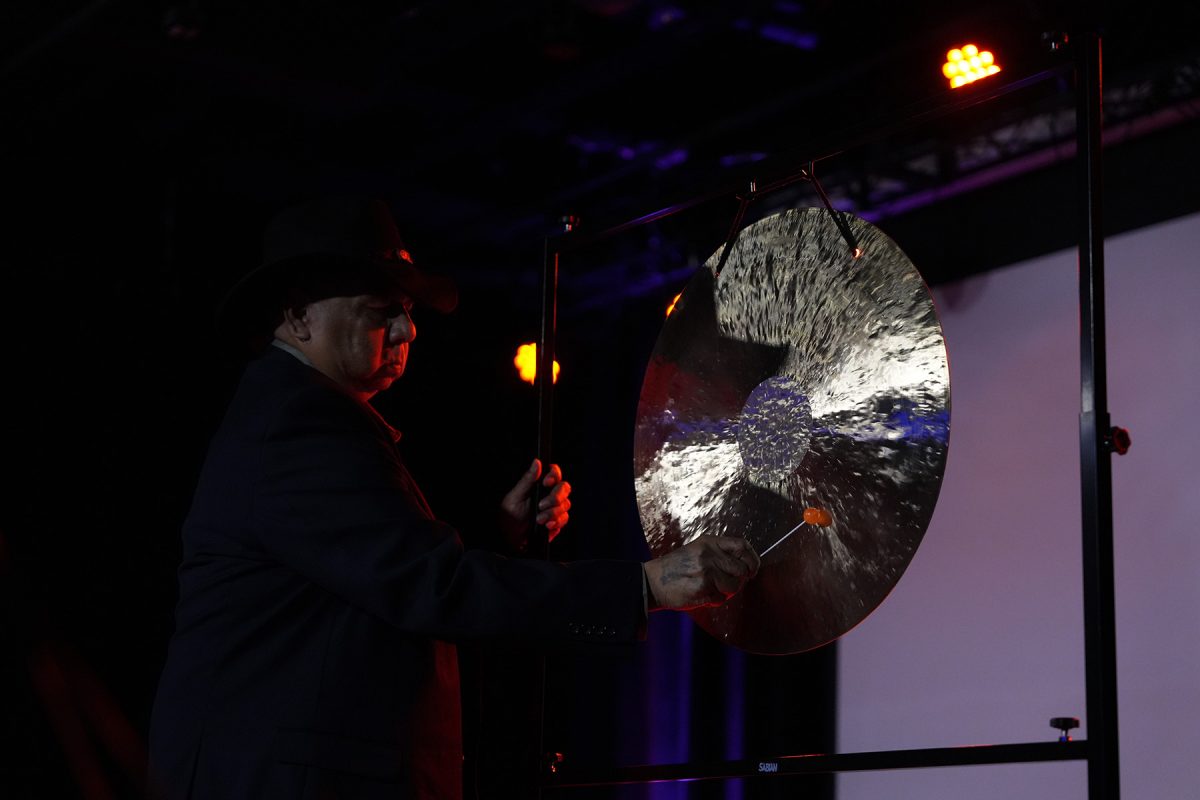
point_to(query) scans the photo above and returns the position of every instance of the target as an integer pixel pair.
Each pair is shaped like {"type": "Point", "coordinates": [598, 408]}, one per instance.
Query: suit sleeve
{"type": "Point", "coordinates": [333, 502]}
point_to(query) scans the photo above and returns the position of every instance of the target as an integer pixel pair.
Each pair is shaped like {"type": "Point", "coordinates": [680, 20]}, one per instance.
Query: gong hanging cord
{"type": "Point", "coordinates": [808, 174]}
{"type": "Point", "coordinates": [735, 228]}
{"type": "Point", "coordinates": [811, 176]}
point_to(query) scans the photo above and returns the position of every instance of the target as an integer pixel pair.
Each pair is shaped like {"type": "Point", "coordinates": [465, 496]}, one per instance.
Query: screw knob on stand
{"type": "Point", "coordinates": [1064, 725]}
{"type": "Point", "coordinates": [1118, 441]}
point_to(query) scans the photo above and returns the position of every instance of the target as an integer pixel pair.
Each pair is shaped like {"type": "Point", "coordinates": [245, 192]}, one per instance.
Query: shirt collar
{"type": "Point", "coordinates": [303, 359]}
{"type": "Point", "coordinates": [287, 348]}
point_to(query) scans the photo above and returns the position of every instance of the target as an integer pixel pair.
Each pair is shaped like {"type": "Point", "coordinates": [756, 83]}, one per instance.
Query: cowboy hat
{"type": "Point", "coordinates": [340, 245]}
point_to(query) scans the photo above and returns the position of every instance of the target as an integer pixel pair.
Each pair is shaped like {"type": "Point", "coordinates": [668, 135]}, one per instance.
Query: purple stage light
{"type": "Point", "coordinates": [671, 159]}
{"type": "Point", "coordinates": [737, 159]}
{"type": "Point", "coordinates": [664, 16]}
{"type": "Point", "coordinates": [803, 40]}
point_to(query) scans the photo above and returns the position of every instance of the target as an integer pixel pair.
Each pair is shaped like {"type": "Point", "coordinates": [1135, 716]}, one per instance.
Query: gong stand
{"type": "Point", "coordinates": [1097, 438]}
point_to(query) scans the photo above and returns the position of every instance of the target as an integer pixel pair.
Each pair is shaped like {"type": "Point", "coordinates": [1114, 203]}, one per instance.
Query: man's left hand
{"type": "Point", "coordinates": [552, 509]}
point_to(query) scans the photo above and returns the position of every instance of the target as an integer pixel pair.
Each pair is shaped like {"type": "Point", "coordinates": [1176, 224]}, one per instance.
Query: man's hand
{"type": "Point", "coordinates": [552, 510]}
{"type": "Point", "coordinates": [706, 572]}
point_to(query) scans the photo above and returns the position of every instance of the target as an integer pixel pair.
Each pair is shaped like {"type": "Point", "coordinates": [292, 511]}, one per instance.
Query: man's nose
{"type": "Point", "coordinates": [401, 329]}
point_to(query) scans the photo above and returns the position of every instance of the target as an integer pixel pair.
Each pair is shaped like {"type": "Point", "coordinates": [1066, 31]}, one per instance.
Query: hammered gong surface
{"type": "Point", "coordinates": [799, 377]}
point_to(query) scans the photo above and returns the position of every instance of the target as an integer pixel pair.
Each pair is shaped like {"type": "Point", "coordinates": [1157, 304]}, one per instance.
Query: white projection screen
{"type": "Point", "coordinates": [982, 640]}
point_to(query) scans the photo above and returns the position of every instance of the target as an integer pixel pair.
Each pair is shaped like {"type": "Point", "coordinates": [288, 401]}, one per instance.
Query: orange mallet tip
{"type": "Point", "coordinates": [818, 516]}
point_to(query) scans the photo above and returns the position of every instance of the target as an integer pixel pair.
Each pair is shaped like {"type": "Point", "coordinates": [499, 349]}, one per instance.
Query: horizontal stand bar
{"type": "Point", "coordinates": [564, 777]}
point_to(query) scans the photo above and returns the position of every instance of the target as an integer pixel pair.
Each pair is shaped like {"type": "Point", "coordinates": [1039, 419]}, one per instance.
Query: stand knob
{"type": "Point", "coordinates": [1064, 725]}
{"type": "Point", "coordinates": [1055, 40]}
{"type": "Point", "coordinates": [1118, 440]}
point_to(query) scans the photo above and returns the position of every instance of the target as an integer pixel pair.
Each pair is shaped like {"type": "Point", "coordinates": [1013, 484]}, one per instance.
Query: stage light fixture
{"type": "Point", "coordinates": [671, 305]}
{"type": "Point", "coordinates": [526, 363]}
{"type": "Point", "coordinates": [968, 64]}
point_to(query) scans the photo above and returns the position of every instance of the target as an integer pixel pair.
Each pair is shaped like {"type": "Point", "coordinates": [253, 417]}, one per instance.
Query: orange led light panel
{"type": "Point", "coordinates": [968, 64]}
{"type": "Point", "coordinates": [526, 363]}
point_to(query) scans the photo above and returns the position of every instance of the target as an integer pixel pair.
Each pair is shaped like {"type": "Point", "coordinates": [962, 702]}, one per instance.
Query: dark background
{"type": "Point", "coordinates": [145, 145]}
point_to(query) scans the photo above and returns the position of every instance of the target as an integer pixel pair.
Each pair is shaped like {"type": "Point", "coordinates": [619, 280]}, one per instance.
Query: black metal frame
{"type": "Point", "coordinates": [823, 763]}
{"type": "Point", "coordinates": [1095, 434]}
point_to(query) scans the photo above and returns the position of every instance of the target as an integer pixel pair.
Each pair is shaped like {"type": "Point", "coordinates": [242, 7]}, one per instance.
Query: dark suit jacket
{"type": "Point", "coordinates": [317, 597]}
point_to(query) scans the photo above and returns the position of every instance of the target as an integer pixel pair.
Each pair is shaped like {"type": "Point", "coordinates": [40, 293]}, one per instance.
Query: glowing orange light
{"type": "Point", "coordinates": [526, 363]}
{"type": "Point", "coordinates": [967, 64]}
{"type": "Point", "coordinates": [674, 300]}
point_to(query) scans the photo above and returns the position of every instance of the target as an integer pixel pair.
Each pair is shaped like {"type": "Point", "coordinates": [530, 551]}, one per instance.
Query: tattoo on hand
{"type": "Point", "coordinates": [678, 571]}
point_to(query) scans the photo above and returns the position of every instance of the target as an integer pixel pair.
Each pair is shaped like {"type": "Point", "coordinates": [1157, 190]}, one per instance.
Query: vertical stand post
{"type": "Point", "coordinates": [1094, 432]}
{"type": "Point", "coordinates": [539, 542]}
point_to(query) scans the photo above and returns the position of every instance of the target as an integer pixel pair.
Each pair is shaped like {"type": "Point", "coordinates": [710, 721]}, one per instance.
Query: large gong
{"type": "Point", "coordinates": [799, 378]}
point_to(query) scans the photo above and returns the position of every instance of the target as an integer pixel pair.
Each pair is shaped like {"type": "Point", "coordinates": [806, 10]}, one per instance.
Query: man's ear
{"type": "Point", "coordinates": [297, 319]}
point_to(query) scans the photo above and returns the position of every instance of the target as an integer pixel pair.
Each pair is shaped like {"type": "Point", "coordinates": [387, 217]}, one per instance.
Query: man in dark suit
{"type": "Point", "coordinates": [318, 595]}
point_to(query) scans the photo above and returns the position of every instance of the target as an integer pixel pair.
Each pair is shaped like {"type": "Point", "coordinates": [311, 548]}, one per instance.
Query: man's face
{"type": "Point", "coordinates": [361, 341]}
